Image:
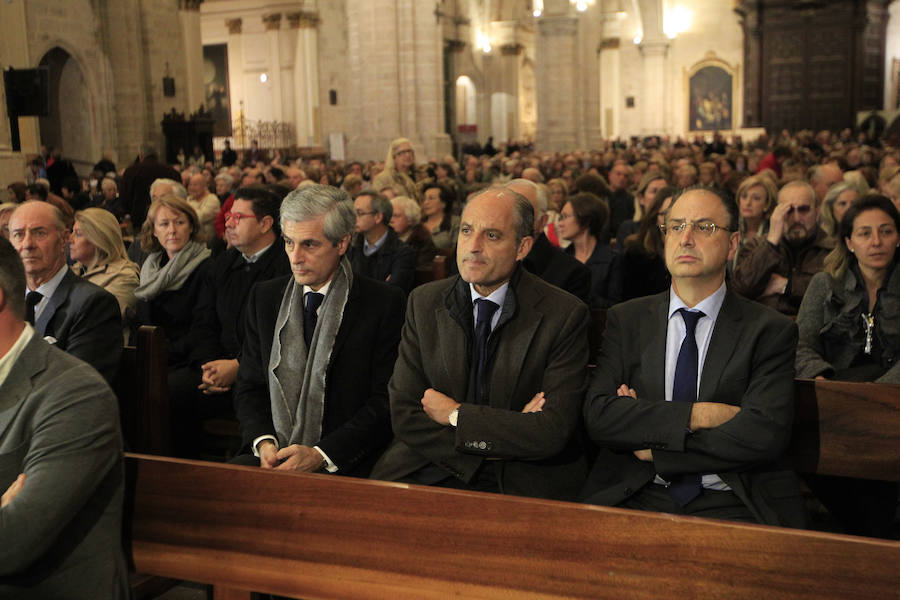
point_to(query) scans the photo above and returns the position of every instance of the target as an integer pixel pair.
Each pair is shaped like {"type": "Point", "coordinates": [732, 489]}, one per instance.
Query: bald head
{"type": "Point", "coordinates": [536, 197]}
{"type": "Point", "coordinates": [197, 186]}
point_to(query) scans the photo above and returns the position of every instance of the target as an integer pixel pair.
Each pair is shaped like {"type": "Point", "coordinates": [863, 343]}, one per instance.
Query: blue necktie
{"type": "Point", "coordinates": [486, 310]}
{"type": "Point", "coordinates": [685, 488]}
{"type": "Point", "coordinates": [310, 317]}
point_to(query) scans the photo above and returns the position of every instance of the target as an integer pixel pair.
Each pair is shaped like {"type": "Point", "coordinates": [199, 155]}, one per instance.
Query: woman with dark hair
{"type": "Point", "coordinates": [437, 210]}
{"type": "Point", "coordinates": [173, 273]}
{"type": "Point", "coordinates": [16, 191]}
{"type": "Point", "coordinates": [582, 221]}
{"type": "Point", "coordinates": [849, 324]}
{"type": "Point", "coordinates": [650, 183]}
{"type": "Point", "coordinates": [643, 261]}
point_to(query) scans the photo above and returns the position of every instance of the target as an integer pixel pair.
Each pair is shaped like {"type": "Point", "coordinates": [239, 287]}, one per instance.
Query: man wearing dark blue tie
{"type": "Point", "coordinates": [691, 403]}
{"type": "Point", "coordinates": [487, 390]}
{"type": "Point", "coordinates": [319, 348]}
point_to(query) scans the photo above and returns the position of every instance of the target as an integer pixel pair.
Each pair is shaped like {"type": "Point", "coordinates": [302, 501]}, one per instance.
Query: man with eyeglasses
{"type": "Point", "coordinates": [692, 399]}
{"type": "Point", "coordinates": [377, 252]}
{"type": "Point", "coordinates": [775, 270]}
{"type": "Point", "coordinates": [202, 389]}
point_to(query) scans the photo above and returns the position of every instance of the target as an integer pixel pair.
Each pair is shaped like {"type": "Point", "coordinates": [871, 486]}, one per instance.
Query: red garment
{"type": "Point", "coordinates": [220, 218]}
{"type": "Point", "coordinates": [769, 162]}
{"type": "Point", "coordinates": [551, 235]}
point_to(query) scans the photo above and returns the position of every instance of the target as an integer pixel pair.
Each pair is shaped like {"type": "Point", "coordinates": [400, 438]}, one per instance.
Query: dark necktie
{"type": "Point", "coordinates": [486, 310]}
{"type": "Point", "coordinates": [31, 300]}
{"type": "Point", "coordinates": [310, 317]}
{"type": "Point", "coordinates": [685, 488]}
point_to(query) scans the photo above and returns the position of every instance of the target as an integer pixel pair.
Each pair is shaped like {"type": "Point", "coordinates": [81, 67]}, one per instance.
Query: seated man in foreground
{"type": "Point", "coordinates": [60, 464]}
{"type": "Point", "coordinates": [319, 348]}
{"type": "Point", "coordinates": [490, 378]}
{"type": "Point", "coordinates": [692, 399]}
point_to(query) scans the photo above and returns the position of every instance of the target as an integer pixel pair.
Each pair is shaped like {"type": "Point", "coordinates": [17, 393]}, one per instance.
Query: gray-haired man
{"type": "Point", "coordinates": [319, 348]}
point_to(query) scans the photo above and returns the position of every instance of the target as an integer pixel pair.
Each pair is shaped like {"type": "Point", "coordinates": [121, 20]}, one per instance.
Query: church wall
{"type": "Point", "coordinates": [334, 69]}
{"type": "Point", "coordinates": [892, 53]}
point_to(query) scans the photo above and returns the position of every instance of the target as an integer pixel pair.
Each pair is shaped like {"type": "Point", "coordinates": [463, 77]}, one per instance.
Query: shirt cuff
{"type": "Point", "coordinates": [260, 439]}
{"type": "Point", "coordinates": [329, 466]}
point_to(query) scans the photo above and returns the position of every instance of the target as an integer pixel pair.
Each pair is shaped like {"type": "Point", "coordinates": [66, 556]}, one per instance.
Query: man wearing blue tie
{"type": "Point", "coordinates": [691, 403]}
{"type": "Point", "coordinates": [487, 391]}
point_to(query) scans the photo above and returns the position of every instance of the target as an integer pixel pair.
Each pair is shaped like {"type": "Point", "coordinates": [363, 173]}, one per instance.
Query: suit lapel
{"type": "Point", "coordinates": [18, 385]}
{"type": "Point", "coordinates": [652, 339]}
{"type": "Point", "coordinates": [348, 319]}
{"type": "Point", "coordinates": [53, 303]}
{"type": "Point", "coordinates": [451, 339]}
{"type": "Point", "coordinates": [514, 345]}
{"type": "Point", "coordinates": [721, 346]}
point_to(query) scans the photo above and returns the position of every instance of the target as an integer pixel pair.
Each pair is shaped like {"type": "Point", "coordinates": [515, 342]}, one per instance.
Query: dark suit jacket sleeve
{"type": "Point", "coordinates": [74, 446]}
{"type": "Point", "coordinates": [757, 262]}
{"type": "Point", "coordinates": [205, 329]}
{"type": "Point", "coordinates": [95, 335]}
{"type": "Point", "coordinates": [252, 405]}
{"type": "Point", "coordinates": [623, 422]}
{"type": "Point", "coordinates": [760, 432]}
{"type": "Point", "coordinates": [512, 434]}
{"type": "Point", "coordinates": [369, 429]}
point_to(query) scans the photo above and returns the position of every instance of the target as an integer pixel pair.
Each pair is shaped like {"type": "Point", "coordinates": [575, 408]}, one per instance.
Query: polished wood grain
{"type": "Point", "coordinates": [318, 536]}
{"type": "Point", "coordinates": [849, 429]}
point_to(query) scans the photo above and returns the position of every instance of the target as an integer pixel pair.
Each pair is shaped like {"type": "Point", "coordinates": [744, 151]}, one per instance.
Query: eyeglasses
{"type": "Point", "coordinates": [407, 151]}
{"type": "Point", "coordinates": [363, 213]}
{"type": "Point", "coordinates": [236, 217]}
{"type": "Point", "coordinates": [703, 227]}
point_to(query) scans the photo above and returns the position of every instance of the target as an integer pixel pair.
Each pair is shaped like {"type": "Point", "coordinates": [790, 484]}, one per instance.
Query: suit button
{"type": "Point", "coordinates": [482, 445]}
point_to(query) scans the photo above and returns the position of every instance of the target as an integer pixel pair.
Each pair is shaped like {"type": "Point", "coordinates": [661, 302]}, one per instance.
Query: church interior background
{"type": "Point", "coordinates": [346, 76]}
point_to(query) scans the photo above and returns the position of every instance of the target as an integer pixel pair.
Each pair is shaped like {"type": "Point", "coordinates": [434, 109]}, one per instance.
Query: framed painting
{"type": "Point", "coordinates": [215, 87]}
{"type": "Point", "coordinates": [712, 89]}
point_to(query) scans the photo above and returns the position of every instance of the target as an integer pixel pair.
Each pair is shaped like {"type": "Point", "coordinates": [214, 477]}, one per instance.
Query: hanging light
{"type": "Point", "coordinates": [582, 5]}
{"type": "Point", "coordinates": [538, 8]}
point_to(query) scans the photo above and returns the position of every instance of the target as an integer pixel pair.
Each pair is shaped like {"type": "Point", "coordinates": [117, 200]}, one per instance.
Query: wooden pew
{"type": "Point", "coordinates": [848, 429]}
{"type": "Point", "coordinates": [141, 387]}
{"type": "Point", "coordinates": [317, 536]}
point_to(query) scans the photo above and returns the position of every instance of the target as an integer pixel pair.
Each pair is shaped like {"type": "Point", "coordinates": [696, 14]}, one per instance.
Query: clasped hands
{"type": "Point", "coordinates": [218, 375]}
{"type": "Point", "coordinates": [290, 458]}
{"type": "Point", "coordinates": [704, 415]}
{"type": "Point", "coordinates": [438, 406]}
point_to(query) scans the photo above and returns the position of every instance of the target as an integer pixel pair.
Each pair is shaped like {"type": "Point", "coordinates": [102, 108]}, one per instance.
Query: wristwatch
{"type": "Point", "coordinates": [454, 416]}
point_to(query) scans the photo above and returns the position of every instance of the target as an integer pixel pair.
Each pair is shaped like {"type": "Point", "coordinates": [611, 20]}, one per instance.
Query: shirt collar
{"type": "Point", "coordinates": [373, 248]}
{"type": "Point", "coordinates": [497, 296]}
{"type": "Point", "coordinates": [48, 288]}
{"type": "Point", "coordinates": [322, 290]}
{"type": "Point", "coordinates": [709, 306]}
{"type": "Point", "coordinates": [255, 257]}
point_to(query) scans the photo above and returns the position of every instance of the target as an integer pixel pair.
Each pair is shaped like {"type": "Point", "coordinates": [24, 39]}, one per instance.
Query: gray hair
{"type": "Point", "coordinates": [540, 193]}
{"type": "Point", "coordinates": [313, 201]}
{"type": "Point", "coordinates": [177, 189]}
{"type": "Point", "coordinates": [380, 204]}
{"type": "Point", "coordinates": [228, 179]}
{"type": "Point", "coordinates": [12, 278]}
{"type": "Point", "coordinates": [408, 207]}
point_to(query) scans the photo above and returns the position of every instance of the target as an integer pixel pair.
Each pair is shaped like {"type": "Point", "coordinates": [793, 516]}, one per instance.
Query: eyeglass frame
{"type": "Point", "coordinates": [697, 227]}
{"type": "Point", "coordinates": [238, 216]}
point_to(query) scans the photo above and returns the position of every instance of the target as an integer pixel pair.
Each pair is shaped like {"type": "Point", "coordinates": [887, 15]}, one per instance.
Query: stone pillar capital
{"type": "Point", "coordinates": [610, 43]}
{"type": "Point", "coordinates": [455, 45]}
{"type": "Point", "coordinates": [189, 4]}
{"type": "Point", "coordinates": [513, 49]}
{"type": "Point", "coordinates": [272, 21]}
{"type": "Point", "coordinates": [558, 26]}
{"type": "Point", "coordinates": [654, 47]}
{"type": "Point", "coordinates": [303, 19]}
{"type": "Point", "coordinates": [234, 25]}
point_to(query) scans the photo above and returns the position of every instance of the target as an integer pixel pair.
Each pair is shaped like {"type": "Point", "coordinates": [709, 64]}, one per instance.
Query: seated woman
{"type": "Point", "coordinates": [650, 183]}
{"type": "Point", "coordinates": [437, 207]}
{"type": "Point", "coordinates": [849, 324]}
{"type": "Point", "coordinates": [836, 202]}
{"type": "Point", "coordinates": [643, 261]}
{"type": "Point", "coordinates": [406, 223]}
{"type": "Point", "coordinates": [173, 273]}
{"type": "Point", "coordinates": [97, 247]}
{"type": "Point", "coordinates": [582, 221]}
{"type": "Point", "coordinates": [756, 198]}
{"type": "Point", "coordinates": [558, 193]}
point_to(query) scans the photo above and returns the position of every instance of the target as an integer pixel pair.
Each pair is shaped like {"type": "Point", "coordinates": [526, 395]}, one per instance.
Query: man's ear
{"type": "Point", "coordinates": [524, 247]}
{"type": "Point", "coordinates": [343, 244]}
{"type": "Point", "coordinates": [267, 222]}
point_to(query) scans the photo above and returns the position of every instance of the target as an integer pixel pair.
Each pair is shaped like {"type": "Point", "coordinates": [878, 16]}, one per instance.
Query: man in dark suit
{"type": "Point", "coordinates": [77, 316]}
{"type": "Point", "coordinates": [692, 399]}
{"type": "Point", "coordinates": [136, 181]}
{"type": "Point", "coordinates": [544, 260]}
{"type": "Point", "coordinates": [319, 348]}
{"type": "Point", "coordinates": [488, 386]}
{"type": "Point", "coordinates": [377, 252]}
{"type": "Point", "coordinates": [60, 464]}
{"type": "Point", "coordinates": [203, 388]}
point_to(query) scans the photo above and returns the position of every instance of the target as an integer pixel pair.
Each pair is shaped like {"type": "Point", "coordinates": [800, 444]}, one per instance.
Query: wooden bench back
{"type": "Point", "coordinates": [319, 536]}
{"type": "Point", "coordinates": [142, 388]}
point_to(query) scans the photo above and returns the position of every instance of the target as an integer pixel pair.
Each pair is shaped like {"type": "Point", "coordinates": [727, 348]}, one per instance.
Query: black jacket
{"type": "Point", "coordinates": [558, 268]}
{"type": "Point", "coordinates": [393, 263]}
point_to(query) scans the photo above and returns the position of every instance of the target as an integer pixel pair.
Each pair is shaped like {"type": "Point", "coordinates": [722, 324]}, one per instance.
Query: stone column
{"type": "Point", "coordinates": [655, 101]}
{"type": "Point", "coordinates": [556, 53]}
{"type": "Point", "coordinates": [610, 87]}
{"type": "Point", "coordinates": [189, 16]}
{"type": "Point", "coordinates": [236, 72]}
{"type": "Point", "coordinates": [306, 77]}
{"type": "Point", "coordinates": [14, 49]}
{"type": "Point", "coordinates": [272, 23]}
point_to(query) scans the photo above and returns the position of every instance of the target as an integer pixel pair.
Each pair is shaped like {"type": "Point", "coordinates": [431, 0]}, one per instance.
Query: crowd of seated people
{"type": "Point", "coordinates": [812, 239]}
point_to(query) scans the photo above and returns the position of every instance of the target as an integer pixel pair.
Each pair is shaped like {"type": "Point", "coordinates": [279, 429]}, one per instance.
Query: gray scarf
{"type": "Point", "coordinates": [297, 373]}
{"type": "Point", "coordinates": [170, 277]}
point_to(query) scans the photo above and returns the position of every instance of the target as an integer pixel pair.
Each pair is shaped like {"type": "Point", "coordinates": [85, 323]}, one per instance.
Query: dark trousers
{"type": "Point", "coordinates": [860, 506]}
{"type": "Point", "coordinates": [189, 407]}
{"type": "Point", "coordinates": [710, 504]}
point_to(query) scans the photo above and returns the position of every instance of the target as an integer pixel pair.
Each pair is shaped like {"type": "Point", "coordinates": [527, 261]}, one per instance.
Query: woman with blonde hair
{"type": "Point", "coordinates": [174, 272]}
{"type": "Point", "coordinates": [97, 247]}
{"type": "Point", "coordinates": [838, 199]}
{"type": "Point", "coordinates": [756, 198]}
{"type": "Point", "coordinates": [399, 169]}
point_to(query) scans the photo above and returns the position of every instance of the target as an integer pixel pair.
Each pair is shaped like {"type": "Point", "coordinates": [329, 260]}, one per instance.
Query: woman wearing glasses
{"type": "Point", "coordinates": [581, 221]}
{"type": "Point", "coordinates": [849, 324]}
{"type": "Point", "coordinates": [399, 172]}
{"type": "Point", "coordinates": [173, 273]}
